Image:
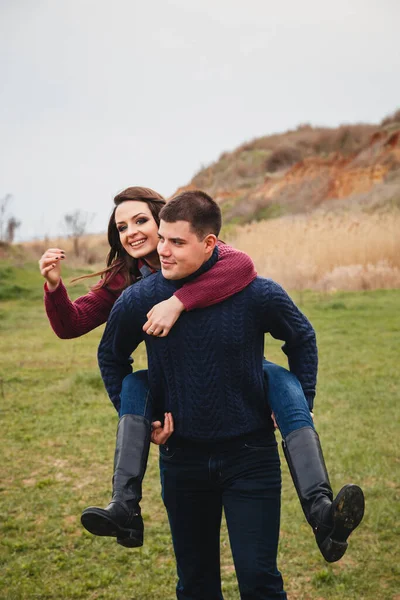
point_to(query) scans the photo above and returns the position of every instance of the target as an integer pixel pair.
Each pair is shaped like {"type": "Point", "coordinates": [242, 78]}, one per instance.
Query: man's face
{"type": "Point", "coordinates": [181, 252]}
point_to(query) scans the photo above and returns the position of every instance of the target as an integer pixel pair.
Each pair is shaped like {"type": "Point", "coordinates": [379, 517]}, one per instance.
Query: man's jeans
{"type": "Point", "coordinates": [243, 477]}
{"type": "Point", "coordinates": [285, 398]}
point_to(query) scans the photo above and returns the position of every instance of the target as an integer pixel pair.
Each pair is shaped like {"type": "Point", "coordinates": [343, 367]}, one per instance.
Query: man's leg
{"type": "Point", "coordinates": [194, 509]}
{"type": "Point", "coordinates": [332, 520]}
{"type": "Point", "coordinates": [122, 518]}
{"type": "Point", "coordinates": [251, 483]}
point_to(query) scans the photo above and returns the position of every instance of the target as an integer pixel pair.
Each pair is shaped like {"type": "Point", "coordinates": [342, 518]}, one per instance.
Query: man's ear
{"type": "Point", "coordinates": [210, 241]}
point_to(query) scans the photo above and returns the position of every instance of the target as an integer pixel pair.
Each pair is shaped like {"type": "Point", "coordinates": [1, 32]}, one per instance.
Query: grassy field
{"type": "Point", "coordinates": [58, 432]}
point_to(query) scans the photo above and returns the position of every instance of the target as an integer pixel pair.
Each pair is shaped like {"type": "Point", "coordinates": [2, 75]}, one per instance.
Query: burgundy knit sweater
{"type": "Point", "coordinates": [232, 273]}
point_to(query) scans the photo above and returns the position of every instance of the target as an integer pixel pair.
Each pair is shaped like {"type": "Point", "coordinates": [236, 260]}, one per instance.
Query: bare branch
{"type": "Point", "coordinates": [77, 223]}
{"type": "Point", "coordinates": [3, 209]}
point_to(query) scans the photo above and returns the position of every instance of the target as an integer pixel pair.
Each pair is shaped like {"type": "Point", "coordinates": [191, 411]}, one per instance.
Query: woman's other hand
{"type": "Point", "coordinates": [50, 267]}
{"type": "Point", "coordinates": [160, 434]}
{"type": "Point", "coordinates": [162, 317]}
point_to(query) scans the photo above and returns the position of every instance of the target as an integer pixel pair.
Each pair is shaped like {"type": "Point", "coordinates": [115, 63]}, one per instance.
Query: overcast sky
{"type": "Point", "coordinates": [97, 96]}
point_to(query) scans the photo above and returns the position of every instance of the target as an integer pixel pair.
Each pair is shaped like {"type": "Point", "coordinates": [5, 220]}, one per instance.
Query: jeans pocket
{"type": "Point", "coordinates": [260, 445]}
{"type": "Point", "coordinates": [168, 452]}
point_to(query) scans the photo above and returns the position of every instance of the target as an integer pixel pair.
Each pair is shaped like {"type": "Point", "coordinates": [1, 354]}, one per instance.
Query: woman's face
{"type": "Point", "coordinates": [138, 231]}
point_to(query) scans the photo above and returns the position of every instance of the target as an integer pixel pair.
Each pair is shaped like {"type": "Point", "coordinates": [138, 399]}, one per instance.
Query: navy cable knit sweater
{"type": "Point", "coordinates": [208, 370]}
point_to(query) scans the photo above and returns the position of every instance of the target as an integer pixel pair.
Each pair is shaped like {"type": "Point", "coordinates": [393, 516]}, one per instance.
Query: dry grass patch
{"type": "Point", "coordinates": [93, 249]}
{"type": "Point", "coordinates": [326, 251]}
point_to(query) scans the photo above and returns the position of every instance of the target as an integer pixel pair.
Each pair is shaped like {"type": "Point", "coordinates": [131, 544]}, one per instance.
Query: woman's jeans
{"type": "Point", "coordinates": [135, 396]}
{"type": "Point", "coordinates": [285, 398]}
{"type": "Point", "coordinates": [242, 477]}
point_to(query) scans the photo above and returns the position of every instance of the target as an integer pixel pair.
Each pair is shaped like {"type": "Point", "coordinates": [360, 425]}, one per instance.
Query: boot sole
{"type": "Point", "coordinates": [130, 542]}
{"type": "Point", "coordinates": [348, 511]}
{"type": "Point", "coordinates": [97, 523]}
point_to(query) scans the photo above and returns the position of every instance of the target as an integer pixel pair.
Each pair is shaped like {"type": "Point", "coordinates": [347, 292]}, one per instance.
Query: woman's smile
{"type": "Point", "coordinates": [137, 243]}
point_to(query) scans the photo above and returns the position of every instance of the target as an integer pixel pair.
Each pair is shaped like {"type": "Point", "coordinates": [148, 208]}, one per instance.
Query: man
{"type": "Point", "coordinates": [208, 373]}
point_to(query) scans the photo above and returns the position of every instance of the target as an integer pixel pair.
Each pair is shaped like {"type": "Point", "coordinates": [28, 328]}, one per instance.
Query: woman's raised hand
{"type": "Point", "coordinates": [50, 267]}
{"type": "Point", "coordinates": [162, 317]}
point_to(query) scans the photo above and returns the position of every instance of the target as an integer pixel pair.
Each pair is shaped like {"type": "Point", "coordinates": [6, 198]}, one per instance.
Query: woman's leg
{"type": "Point", "coordinates": [136, 398]}
{"type": "Point", "coordinates": [286, 399]}
{"type": "Point", "coordinates": [332, 520]}
{"type": "Point", "coordinates": [122, 518]}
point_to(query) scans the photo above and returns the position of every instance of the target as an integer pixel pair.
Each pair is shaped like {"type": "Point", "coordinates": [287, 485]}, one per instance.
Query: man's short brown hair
{"type": "Point", "coordinates": [198, 209]}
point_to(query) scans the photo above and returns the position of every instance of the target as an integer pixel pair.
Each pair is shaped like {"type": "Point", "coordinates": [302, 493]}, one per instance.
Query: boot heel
{"type": "Point", "coordinates": [332, 550]}
{"type": "Point", "coordinates": [132, 541]}
{"type": "Point", "coordinates": [348, 511]}
{"type": "Point", "coordinates": [98, 522]}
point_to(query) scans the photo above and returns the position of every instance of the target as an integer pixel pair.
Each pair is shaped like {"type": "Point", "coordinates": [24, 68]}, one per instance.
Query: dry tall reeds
{"type": "Point", "coordinates": [326, 251]}
{"type": "Point", "coordinates": [348, 250]}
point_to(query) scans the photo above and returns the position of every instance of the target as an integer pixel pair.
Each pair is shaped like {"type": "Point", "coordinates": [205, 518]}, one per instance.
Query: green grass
{"type": "Point", "coordinates": [58, 432]}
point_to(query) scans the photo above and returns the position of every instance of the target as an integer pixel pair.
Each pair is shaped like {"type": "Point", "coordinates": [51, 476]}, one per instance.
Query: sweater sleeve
{"type": "Point", "coordinates": [71, 319]}
{"type": "Point", "coordinates": [122, 335]}
{"type": "Point", "coordinates": [233, 271]}
{"type": "Point", "coordinates": [284, 321]}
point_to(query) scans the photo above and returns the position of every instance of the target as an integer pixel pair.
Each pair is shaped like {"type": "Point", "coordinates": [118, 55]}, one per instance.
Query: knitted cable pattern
{"type": "Point", "coordinates": [208, 370]}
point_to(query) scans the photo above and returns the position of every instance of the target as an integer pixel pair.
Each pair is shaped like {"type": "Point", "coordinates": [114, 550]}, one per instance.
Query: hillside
{"type": "Point", "coordinates": [297, 171]}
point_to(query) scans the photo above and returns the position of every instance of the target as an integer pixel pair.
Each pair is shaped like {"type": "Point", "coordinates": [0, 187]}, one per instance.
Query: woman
{"type": "Point", "coordinates": [132, 235]}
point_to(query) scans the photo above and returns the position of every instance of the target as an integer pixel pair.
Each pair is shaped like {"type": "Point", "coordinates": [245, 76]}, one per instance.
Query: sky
{"type": "Point", "coordinates": [96, 96]}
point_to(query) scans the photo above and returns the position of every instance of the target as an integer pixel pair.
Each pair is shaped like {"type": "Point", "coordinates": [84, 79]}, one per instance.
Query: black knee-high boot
{"type": "Point", "coordinates": [122, 518]}
{"type": "Point", "coordinates": [332, 520]}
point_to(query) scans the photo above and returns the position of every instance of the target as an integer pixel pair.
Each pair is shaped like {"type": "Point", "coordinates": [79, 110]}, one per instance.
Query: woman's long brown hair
{"type": "Point", "coordinates": [118, 260]}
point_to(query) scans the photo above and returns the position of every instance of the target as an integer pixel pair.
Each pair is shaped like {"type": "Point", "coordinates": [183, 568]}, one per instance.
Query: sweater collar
{"type": "Point", "coordinates": [144, 269]}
